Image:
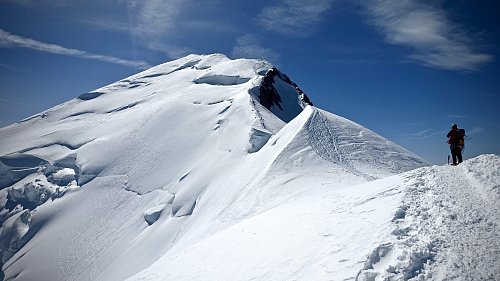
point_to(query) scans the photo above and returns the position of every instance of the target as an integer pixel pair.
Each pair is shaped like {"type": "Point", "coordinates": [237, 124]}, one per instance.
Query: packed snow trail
{"type": "Point", "coordinates": [448, 227]}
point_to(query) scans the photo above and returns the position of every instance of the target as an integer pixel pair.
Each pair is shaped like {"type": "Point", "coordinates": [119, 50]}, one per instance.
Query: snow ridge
{"type": "Point", "coordinates": [322, 139]}
{"type": "Point", "coordinates": [356, 148]}
{"type": "Point", "coordinates": [447, 227]}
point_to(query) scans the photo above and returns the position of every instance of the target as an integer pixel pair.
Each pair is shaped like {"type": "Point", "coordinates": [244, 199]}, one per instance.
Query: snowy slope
{"type": "Point", "coordinates": [433, 223]}
{"type": "Point", "coordinates": [203, 167]}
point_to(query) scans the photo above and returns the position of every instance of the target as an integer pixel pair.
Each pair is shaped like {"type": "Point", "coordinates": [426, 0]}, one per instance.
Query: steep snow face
{"type": "Point", "coordinates": [104, 185]}
{"type": "Point", "coordinates": [356, 148]}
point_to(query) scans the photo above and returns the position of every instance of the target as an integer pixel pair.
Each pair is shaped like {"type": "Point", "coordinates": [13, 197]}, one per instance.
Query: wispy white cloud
{"type": "Point", "coordinates": [15, 68]}
{"type": "Point", "coordinates": [158, 24]}
{"type": "Point", "coordinates": [423, 134]}
{"type": "Point", "coordinates": [36, 3]}
{"type": "Point", "coordinates": [4, 100]}
{"type": "Point", "coordinates": [8, 40]}
{"type": "Point", "coordinates": [173, 51]}
{"type": "Point", "coordinates": [457, 116]}
{"type": "Point", "coordinates": [248, 46]}
{"type": "Point", "coordinates": [210, 24]}
{"type": "Point", "coordinates": [474, 131]}
{"type": "Point", "coordinates": [108, 24]}
{"type": "Point", "coordinates": [154, 19]}
{"type": "Point", "coordinates": [436, 40]}
{"type": "Point", "coordinates": [294, 17]}
{"type": "Point", "coordinates": [489, 95]}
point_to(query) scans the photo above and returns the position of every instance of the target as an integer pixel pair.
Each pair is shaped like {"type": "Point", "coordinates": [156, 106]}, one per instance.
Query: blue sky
{"type": "Point", "coordinates": [404, 69]}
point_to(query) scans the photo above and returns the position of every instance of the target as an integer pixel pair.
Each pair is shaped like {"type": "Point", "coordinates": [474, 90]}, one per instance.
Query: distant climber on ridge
{"type": "Point", "coordinates": [456, 141]}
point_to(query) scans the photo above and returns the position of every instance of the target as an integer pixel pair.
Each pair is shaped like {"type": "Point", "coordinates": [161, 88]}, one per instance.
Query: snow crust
{"type": "Point", "coordinates": [180, 173]}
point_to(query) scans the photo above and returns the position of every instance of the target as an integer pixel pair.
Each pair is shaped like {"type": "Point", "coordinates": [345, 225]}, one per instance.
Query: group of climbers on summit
{"type": "Point", "coordinates": [456, 141]}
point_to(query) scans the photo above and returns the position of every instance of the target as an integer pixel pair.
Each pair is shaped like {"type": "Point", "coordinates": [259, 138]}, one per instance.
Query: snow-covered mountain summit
{"type": "Point", "coordinates": [104, 185]}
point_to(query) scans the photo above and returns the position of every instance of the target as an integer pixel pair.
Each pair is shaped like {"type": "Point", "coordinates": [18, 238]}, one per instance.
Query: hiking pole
{"type": "Point", "coordinates": [448, 159]}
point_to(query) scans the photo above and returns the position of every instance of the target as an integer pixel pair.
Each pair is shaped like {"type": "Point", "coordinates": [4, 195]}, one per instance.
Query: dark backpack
{"type": "Point", "coordinates": [461, 137]}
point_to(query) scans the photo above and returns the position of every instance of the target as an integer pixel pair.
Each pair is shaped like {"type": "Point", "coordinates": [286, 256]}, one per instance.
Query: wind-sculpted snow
{"type": "Point", "coordinates": [159, 130]}
{"type": "Point", "coordinates": [186, 171]}
{"type": "Point", "coordinates": [358, 149]}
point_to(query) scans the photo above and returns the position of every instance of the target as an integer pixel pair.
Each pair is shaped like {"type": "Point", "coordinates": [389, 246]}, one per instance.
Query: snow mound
{"type": "Point", "coordinates": [199, 157]}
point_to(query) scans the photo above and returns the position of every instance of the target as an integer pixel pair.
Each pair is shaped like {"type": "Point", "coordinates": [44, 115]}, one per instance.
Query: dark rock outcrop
{"type": "Point", "coordinates": [269, 96]}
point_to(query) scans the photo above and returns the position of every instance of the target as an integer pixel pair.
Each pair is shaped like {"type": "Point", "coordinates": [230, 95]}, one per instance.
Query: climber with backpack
{"type": "Point", "coordinates": [456, 141]}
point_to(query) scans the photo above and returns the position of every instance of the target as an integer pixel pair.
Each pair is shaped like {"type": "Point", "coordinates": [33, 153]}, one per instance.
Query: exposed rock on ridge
{"type": "Point", "coordinates": [268, 94]}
